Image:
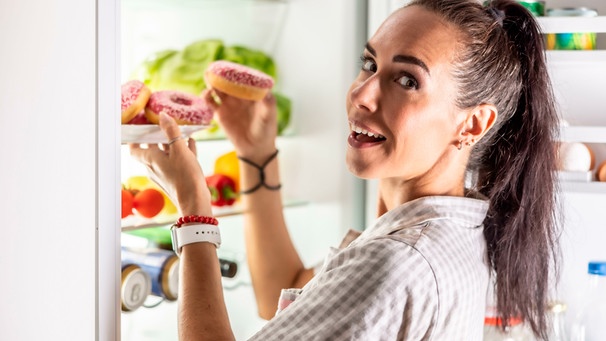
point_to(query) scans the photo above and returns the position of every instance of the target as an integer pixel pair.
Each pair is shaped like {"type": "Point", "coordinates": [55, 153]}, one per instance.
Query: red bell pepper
{"type": "Point", "coordinates": [222, 189]}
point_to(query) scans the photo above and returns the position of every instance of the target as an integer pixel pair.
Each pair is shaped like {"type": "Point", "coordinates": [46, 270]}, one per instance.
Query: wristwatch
{"type": "Point", "coordinates": [196, 233]}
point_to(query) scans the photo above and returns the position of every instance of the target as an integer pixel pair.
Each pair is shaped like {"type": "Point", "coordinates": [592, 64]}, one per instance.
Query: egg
{"type": "Point", "coordinates": [575, 157]}
{"type": "Point", "coordinates": [601, 172]}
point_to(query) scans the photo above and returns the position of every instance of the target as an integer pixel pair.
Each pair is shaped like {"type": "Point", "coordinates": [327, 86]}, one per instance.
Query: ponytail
{"type": "Point", "coordinates": [517, 173]}
{"type": "Point", "coordinates": [502, 62]}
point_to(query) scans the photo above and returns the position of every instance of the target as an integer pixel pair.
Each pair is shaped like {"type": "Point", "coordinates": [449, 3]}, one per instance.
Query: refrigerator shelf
{"type": "Point", "coordinates": [591, 187]}
{"type": "Point", "coordinates": [588, 134]}
{"type": "Point", "coordinates": [572, 24]}
{"type": "Point", "coordinates": [578, 56]}
{"type": "Point", "coordinates": [132, 223]}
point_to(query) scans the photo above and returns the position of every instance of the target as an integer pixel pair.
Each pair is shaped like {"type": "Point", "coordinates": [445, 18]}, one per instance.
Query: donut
{"type": "Point", "coordinates": [140, 118]}
{"type": "Point", "coordinates": [135, 95]}
{"type": "Point", "coordinates": [185, 108]}
{"type": "Point", "coordinates": [238, 80]}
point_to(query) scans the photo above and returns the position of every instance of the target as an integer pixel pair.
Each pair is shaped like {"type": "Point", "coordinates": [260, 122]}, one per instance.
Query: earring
{"type": "Point", "coordinates": [460, 145]}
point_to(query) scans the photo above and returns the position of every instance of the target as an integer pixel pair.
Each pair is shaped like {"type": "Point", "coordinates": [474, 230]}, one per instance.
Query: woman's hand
{"type": "Point", "coordinates": [176, 169]}
{"type": "Point", "coordinates": [251, 126]}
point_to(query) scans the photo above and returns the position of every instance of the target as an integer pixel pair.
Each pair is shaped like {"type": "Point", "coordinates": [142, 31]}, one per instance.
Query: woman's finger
{"type": "Point", "coordinates": [171, 130]}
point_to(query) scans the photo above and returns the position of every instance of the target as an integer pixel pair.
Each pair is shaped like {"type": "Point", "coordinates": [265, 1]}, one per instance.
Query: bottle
{"type": "Point", "coordinates": [557, 327]}
{"type": "Point", "coordinates": [493, 330]}
{"type": "Point", "coordinates": [590, 323]}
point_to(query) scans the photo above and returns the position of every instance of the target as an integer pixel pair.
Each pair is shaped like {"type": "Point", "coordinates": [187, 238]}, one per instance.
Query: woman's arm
{"type": "Point", "coordinates": [272, 258]}
{"type": "Point", "coordinates": [202, 311]}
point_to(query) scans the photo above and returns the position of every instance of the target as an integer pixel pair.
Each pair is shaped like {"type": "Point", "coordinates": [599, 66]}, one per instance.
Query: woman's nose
{"type": "Point", "coordinates": [365, 94]}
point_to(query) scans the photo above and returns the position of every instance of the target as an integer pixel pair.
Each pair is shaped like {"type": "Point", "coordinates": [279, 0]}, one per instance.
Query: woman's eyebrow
{"type": "Point", "coordinates": [401, 59]}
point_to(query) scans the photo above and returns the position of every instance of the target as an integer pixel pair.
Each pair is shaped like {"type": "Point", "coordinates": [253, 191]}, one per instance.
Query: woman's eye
{"type": "Point", "coordinates": [369, 65]}
{"type": "Point", "coordinates": [408, 82]}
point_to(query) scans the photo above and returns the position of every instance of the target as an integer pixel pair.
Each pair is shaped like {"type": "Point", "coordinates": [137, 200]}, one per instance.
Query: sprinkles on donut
{"type": "Point", "coordinates": [185, 108]}
{"type": "Point", "coordinates": [238, 80]}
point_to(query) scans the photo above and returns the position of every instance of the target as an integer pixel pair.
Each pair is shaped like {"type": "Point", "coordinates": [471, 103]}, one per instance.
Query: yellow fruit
{"type": "Point", "coordinates": [227, 164]}
{"type": "Point", "coordinates": [169, 207]}
{"type": "Point", "coordinates": [139, 182]}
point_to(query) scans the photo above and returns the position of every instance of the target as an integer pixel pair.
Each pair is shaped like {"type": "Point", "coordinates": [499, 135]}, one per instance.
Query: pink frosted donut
{"type": "Point", "coordinates": [139, 118]}
{"type": "Point", "coordinates": [238, 80]}
{"type": "Point", "coordinates": [134, 98]}
{"type": "Point", "coordinates": [185, 108]}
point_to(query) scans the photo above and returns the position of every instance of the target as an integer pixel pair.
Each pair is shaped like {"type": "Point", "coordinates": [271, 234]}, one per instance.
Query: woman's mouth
{"type": "Point", "coordinates": [360, 137]}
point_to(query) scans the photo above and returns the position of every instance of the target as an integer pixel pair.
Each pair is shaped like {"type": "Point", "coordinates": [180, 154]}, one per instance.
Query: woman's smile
{"type": "Point", "coordinates": [362, 137]}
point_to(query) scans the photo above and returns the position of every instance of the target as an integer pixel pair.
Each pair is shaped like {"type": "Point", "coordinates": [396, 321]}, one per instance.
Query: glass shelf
{"type": "Point", "coordinates": [132, 223]}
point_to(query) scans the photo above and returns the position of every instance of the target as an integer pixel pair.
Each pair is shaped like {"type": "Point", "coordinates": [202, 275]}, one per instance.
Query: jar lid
{"type": "Point", "coordinates": [597, 268]}
{"type": "Point", "coordinates": [572, 12]}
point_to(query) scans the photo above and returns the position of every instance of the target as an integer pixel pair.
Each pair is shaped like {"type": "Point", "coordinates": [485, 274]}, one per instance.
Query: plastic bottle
{"type": "Point", "coordinates": [590, 324]}
{"type": "Point", "coordinates": [557, 328]}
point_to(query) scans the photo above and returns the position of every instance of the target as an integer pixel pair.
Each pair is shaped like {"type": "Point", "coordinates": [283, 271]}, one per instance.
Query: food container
{"type": "Point", "coordinates": [535, 7]}
{"type": "Point", "coordinates": [571, 41]}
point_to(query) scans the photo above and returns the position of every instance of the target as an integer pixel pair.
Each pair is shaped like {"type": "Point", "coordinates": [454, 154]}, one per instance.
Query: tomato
{"type": "Point", "coordinates": [141, 182]}
{"type": "Point", "coordinates": [127, 203]}
{"type": "Point", "coordinates": [148, 202]}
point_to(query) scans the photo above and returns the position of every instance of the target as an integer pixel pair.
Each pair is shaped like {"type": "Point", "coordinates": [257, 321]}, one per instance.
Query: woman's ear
{"type": "Point", "coordinates": [479, 120]}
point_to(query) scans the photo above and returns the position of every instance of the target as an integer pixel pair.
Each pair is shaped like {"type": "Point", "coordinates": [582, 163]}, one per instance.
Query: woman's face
{"type": "Point", "coordinates": [403, 99]}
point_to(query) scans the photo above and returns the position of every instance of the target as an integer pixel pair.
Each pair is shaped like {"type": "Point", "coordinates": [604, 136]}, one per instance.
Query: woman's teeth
{"type": "Point", "coordinates": [366, 132]}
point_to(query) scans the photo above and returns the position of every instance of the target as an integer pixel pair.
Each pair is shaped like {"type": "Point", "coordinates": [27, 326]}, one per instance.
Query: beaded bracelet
{"type": "Point", "coordinates": [196, 219]}
{"type": "Point", "coordinates": [261, 169]}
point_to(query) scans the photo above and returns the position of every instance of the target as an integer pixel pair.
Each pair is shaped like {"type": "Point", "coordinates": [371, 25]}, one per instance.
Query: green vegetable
{"type": "Point", "coordinates": [284, 105]}
{"type": "Point", "coordinates": [251, 58]}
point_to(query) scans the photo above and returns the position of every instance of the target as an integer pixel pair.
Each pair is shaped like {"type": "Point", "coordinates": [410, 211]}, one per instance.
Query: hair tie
{"type": "Point", "coordinates": [497, 14]}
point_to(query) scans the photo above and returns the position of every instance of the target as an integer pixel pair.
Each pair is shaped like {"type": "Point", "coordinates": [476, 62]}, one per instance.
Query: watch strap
{"type": "Point", "coordinates": [195, 233]}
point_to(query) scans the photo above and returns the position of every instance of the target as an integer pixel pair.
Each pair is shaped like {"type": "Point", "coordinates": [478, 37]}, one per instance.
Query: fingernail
{"type": "Point", "coordinates": [164, 118]}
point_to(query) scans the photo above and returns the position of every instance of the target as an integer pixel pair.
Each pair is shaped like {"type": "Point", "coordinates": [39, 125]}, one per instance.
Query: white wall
{"type": "Point", "coordinates": [48, 178]}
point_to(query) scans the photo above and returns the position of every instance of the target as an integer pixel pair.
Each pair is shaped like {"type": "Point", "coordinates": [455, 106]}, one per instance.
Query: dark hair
{"type": "Point", "coordinates": [501, 61]}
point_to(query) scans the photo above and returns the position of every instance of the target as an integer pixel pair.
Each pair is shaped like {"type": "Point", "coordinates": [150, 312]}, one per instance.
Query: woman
{"type": "Point", "coordinates": [446, 88]}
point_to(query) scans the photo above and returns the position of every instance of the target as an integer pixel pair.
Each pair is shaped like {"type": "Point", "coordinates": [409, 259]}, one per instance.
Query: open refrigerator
{"type": "Point", "coordinates": [315, 47]}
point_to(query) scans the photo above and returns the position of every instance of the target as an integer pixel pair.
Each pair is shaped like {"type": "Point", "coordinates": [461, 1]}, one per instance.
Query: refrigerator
{"type": "Point", "coordinates": [63, 160]}
{"type": "Point", "coordinates": [315, 46]}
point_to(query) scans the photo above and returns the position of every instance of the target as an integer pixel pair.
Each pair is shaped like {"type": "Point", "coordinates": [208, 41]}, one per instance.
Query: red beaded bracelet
{"type": "Point", "coordinates": [196, 219]}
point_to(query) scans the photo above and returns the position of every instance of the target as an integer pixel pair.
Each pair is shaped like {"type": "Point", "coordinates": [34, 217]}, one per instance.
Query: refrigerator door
{"type": "Point", "coordinates": [60, 162]}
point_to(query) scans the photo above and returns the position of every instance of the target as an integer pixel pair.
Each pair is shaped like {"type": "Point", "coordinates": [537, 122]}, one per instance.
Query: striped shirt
{"type": "Point", "coordinates": [420, 272]}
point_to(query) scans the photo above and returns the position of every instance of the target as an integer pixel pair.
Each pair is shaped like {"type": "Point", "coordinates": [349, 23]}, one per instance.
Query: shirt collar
{"type": "Point", "coordinates": [469, 212]}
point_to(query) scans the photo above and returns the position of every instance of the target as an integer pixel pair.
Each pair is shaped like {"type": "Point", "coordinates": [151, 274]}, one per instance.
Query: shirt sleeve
{"type": "Point", "coordinates": [369, 291]}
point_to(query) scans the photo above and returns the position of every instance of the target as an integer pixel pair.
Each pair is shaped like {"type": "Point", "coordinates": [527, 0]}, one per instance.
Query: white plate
{"type": "Point", "coordinates": [151, 133]}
